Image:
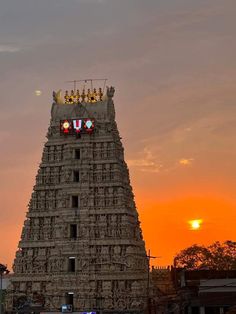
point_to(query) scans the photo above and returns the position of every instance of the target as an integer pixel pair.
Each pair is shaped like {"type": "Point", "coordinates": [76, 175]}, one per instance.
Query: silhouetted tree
{"type": "Point", "coordinates": [219, 256]}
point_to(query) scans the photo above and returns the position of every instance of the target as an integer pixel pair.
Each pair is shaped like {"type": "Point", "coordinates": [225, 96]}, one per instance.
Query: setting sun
{"type": "Point", "coordinates": [195, 224]}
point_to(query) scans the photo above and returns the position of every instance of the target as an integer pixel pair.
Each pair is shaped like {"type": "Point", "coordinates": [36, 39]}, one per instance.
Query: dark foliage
{"type": "Point", "coordinates": [218, 256]}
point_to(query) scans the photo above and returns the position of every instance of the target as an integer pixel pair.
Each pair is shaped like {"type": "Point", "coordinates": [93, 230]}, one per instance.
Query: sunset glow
{"type": "Point", "coordinates": [195, 224]}
{"type": "Point", "coordinates": [173, 66]}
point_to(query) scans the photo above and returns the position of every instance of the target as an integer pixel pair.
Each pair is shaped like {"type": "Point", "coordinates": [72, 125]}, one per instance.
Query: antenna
{"type": "Point", "coordinates": [88, 80]}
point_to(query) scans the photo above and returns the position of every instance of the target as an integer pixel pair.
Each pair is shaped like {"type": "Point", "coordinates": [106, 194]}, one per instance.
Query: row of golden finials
{"type": "Point", "coordinates": [90, 96]}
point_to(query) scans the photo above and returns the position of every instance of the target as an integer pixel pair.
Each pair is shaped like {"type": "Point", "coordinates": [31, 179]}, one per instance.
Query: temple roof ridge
{"type": "Point", "coordinates": [77, 96]}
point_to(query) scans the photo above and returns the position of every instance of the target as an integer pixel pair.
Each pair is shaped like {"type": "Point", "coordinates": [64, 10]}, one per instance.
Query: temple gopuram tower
{"type": "Point", "coordinates": [81, 247]}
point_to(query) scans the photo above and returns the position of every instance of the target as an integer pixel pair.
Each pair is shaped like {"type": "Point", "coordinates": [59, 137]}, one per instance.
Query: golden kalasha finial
{"type": "Point", "coordinates": [89, 95]}
{"type": "Point", "coordinates": [71, 99]}
{"type": "Point", "coordinates": [100, 93]}
{"type": "Point", "coordinates": [94, 95]}
{"type": "Point", "coordinates": [77, 96]}
{"type": "Point", "coordinates": [83, 95]}
{"type": "Point", "coordinates": [74, 97]}
{"type": "Point", "coordinates": [66, 97]}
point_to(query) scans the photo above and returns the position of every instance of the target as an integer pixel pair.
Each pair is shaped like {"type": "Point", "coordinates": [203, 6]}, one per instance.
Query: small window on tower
{"type": "Point", "coordinates": [71, 264]}
{"type": "Point", "coordinates": [76, 175]}
{"type": "Point", "coordinates": [77, 153]}
{"type": "Point", "coordinates": [69, 302]}
{"type": "Point", "coordinates": [75, 201]}
{"type": "Point", "coordinates": [73, 231]}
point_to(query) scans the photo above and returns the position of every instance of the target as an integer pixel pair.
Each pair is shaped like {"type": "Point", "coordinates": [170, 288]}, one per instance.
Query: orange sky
{"type": "Point", "coordinates": [173, 65]}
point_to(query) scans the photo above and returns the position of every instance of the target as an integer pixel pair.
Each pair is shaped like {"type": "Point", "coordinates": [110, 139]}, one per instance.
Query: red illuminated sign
{"type": "Point", "coordinates": [66, 126]}
{"type": "Point", "coordinates": [88, 125]}
{"type": "Point", "coordinates": [76, 126]}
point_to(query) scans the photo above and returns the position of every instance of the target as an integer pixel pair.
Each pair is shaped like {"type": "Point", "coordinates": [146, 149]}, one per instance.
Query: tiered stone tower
{"type": "Point", "coordinates": [81, 242]}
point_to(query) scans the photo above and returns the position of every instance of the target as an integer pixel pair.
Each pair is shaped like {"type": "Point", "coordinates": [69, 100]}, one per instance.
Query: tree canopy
{"type": "Point", "coordinates": [218, 256]}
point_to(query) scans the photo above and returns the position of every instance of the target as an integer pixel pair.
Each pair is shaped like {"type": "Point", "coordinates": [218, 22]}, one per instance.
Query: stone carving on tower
{"type": "Point", "coordinates": [81, 242]}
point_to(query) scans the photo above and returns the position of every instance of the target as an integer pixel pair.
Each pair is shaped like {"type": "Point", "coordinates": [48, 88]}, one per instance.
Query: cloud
{"type": "Point", "coordinates": [147, 163]}
{"type": "Point", "coordinates": [38, 92]}
{"type": "Point", "coordinates": [186, 162]}
{"type": "Point", "coordinates": [8, 48]}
